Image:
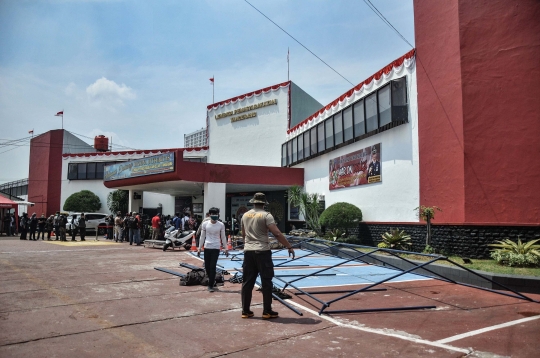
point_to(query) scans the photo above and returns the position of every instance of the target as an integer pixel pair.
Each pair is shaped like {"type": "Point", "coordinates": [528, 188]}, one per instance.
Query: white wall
{"type": "Point", "coordinates": [396, 197]}
{"type": "Point", "coordinates": [252, 141]}
{"type": "Point", "coordinates": [152, 200]}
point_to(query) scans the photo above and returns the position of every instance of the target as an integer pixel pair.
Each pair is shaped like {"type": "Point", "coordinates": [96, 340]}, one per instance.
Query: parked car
{"type": "Point", "coordinates": [94, 221]}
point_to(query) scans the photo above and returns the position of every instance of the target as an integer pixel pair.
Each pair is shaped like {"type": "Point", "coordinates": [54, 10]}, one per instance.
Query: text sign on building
{"type": "Point", "coordinates": [162, 163]}
{"type": "Point", "coordinates": [356, 168]}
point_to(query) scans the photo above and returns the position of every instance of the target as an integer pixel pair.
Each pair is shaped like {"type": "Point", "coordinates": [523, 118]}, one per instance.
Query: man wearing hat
{"type": "Point", "coordinates": [375, 166]}
{"type": "Point", "coordinates": [257, 255]}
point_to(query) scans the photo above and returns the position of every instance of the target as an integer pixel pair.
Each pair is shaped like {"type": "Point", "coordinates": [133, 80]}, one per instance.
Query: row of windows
{"type": "Point", "coordinates": [363, 118]}
{"type": "Point", "coordinates": [84, 171]}
{"type": "Point", "coordinates": [15, 190]}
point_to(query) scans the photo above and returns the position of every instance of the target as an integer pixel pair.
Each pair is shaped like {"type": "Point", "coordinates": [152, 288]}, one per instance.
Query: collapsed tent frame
{"type": "Point", "coordinates": [330, 246]}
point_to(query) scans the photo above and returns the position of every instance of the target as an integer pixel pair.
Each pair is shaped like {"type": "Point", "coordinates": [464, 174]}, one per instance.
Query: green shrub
{"type": "Point", "coordinates": [334, 234]}
{"type": "Point", "coordinates": [521, 254]}
{"type": "Point", "coordinates": [118, 200]}
{"type": "Point", "coordinates": [349, 240]}
{"type": "Point", "coordinates": [383, 245]}
{"type": "Point", "coordinates": [83, 201]}
{"type": "Point", "coordinates": [341, 216]}
{"type": "Point", "coordinates": [396, 239]}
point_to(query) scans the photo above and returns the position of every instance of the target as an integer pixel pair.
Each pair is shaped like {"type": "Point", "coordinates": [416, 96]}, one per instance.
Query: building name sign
{"type": "Point", "coordinates": [246, 109]}
{"type": "Point", "coordinates": [162, 163]}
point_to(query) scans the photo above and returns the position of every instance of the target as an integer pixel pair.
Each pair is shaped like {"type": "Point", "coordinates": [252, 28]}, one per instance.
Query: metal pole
{"type": "Point", "coordinates": [170, 271]}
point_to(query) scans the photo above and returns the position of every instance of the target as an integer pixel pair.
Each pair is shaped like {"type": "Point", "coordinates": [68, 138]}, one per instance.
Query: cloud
{"type": "Point", "coordinates": [108, 92]}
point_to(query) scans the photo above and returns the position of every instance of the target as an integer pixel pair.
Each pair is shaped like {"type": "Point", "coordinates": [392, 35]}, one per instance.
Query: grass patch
{"type": "Point", "coordinates": [477, 264]}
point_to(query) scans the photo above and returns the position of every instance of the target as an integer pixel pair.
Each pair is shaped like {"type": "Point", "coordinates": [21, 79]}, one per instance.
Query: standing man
{"type": "Point", "coordinates": [155, 227]}
{"type": "Point", "coordinates": [135, 226]}
{"type": "Point", "coordinates": [82, 226]}
{"type": "Point", "coordinates": [74, 227]}
{"type": "Point", "coordinates": [199, 230]}
{"type": "Point", "coordinates": [185, 221]}
{"type": "Point", "coordinates": [257, 255]}
{"type": "Point", "coordinates": [56, 222]}
{"type": "Point", "coordinates": [213, 239]}
{"type": "Point", "coordinates": [62, 227]}
{"type": "Point", "coordinates": [24, 225]}
{"type": "Point", "coordinates": [118, 227]}
{"type": "Point", "coordinates": [41, 226]}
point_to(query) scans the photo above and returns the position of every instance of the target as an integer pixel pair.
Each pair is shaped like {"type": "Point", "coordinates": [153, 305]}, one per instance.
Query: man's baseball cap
{"type": "Point", "coordinates": [259, 198]}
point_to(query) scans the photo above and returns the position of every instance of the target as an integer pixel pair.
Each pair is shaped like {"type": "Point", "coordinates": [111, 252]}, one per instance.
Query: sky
{"type": "Point", "coordinates": [138, 71]}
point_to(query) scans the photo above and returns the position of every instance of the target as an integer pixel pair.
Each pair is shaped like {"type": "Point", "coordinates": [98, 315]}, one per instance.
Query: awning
{"type": "Point", "coordinates": [6, 203]}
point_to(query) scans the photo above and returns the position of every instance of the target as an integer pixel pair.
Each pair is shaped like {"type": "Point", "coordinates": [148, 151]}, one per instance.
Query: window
{"type": "Point", "coordinates": [72, 171]}
{"type": "Point", "coordinates": [289, 152]}
{"type": "Point", "coordinates": [347, 124]}
{"type": "Point", "coordinates": [359, 125]}
{"type": "Point", "coordinates": [81, 169]}
{"type": "Point", "coordinates": [338, 129]}
{"type": "Point", "coordinates": [313, 136]}
{"type": "Point", "coordinates": [306, 144]}
{"type": "Point", "coordinates": [300, 147]}
{"type": "Point", "coordinates": [320, 137]}
{"type": "Point", "coordinates": [329, 124]}
{"type": "Point", "coordinates": [372, 122]}
{"type": "Point", "coordinates": [400, 112]}
{"type": "Point", "coordinates": [99, 170]}
{"type": "Point", "coordinates": [284, 155]}
{"type": "Point", "coordinates": [385, 110]}
{"type": "Point", "coordinates": [294, 150]}
{"type": "Point", "coordinates": [91, 171]}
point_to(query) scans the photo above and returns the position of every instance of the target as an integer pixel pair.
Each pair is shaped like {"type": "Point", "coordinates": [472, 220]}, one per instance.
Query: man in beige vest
{"type": "Point", "coordinates": [257, 255]}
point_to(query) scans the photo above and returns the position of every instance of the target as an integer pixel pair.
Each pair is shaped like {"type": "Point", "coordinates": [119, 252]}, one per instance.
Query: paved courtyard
{"type": "Point", "coordinates": [102, 299]}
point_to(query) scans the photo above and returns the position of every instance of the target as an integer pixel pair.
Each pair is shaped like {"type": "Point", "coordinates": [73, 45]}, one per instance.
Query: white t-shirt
{"type": "Point", "coordinates": [212, 235]}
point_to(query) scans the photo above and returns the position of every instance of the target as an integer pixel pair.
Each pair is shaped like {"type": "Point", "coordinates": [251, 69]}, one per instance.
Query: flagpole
{"type": "Point", "coordinates": [213, 86]}
{"type": "Point", "coordinates": [62, 118]}
{"type": "Point", "coordinates": [287, 64]}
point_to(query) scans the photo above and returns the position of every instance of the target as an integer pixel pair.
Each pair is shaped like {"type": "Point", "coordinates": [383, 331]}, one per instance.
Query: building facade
{"type": "Point", "coordinates": [195, 139]}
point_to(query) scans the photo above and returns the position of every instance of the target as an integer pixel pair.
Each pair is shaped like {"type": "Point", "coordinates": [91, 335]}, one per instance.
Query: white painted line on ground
{"type": "Point", "coordinates": [487, 329]}
{"type": "Point", "coordinates": [382, 332]}
{"type": "Point", "coordinates": [23, 252]}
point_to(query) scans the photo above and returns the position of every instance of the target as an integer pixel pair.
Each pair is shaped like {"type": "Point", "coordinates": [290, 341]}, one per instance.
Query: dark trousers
{"type": "Point", "coordinates": [257, 263]}
{"type": "Point", "coordinates": [32, 233]}
{"type": "Point", "coordinates": [109, 233]}
{"type": "Point", "coordinates": [49, 234]}
{"type": "Point", "coordinates": [41, 232]}
{"type": "Point", "coordinates": [23, 234]}
{"type": "Point", "coordinates": [83, 232]}
{"type": "Point", "coordinates": [210, 261]}
{"type": "Point", "coordinates": [74, 232]}
{"type": "Point", "coordinates": [57, 233]}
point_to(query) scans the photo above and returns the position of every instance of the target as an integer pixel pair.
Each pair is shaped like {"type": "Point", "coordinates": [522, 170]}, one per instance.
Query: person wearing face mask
{"type": "Point", "coordinates": [213, 239]}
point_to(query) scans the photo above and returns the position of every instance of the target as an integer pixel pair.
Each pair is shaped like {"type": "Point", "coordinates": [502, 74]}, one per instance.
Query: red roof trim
{"type": "Point", "coordinates": [349, 93]}
{"type": "Point", "coordinates": [242, 97]}
{"type": "Point", "coordinates": [127, 152]}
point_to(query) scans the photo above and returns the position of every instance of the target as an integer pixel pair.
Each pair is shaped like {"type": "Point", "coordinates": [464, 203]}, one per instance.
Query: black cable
{"type": "Point", "coordinates": [381, 16]}
{"type": "Point", "coordinates": [292, 37]}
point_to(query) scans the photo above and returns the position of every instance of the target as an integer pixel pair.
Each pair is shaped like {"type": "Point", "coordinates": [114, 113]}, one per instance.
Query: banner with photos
{"type": "Point", "coordinates": [356, 168]}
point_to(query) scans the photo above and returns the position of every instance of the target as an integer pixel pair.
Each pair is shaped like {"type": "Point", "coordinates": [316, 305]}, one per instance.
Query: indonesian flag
{"type": "Point", "coordinates": [61, 113]}
{"type": "Point", "coordinates": [212, 80]}
{"type": "Point", "coordinates": [31, 131]}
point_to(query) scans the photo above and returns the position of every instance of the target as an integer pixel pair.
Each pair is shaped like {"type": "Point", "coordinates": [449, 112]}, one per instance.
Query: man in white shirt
{"type": "Point", "coordinates": [213, 239]}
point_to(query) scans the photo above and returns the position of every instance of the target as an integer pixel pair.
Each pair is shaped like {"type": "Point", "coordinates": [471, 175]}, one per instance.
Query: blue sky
{"type": "Point", "coordinates": [138, 71]}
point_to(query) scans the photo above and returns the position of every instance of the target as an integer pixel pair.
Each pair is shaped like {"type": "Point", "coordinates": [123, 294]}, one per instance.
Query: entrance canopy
{"type": "Point", "coordinates": [179, 177]}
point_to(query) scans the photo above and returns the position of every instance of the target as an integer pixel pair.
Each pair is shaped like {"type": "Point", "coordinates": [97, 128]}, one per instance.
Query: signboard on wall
{"type": "Point", "coordinates": [240, 205]}
{"type": "Point", "coordinates": [157, 164]}
{"type": "Point", "coordinates": [356, 168]}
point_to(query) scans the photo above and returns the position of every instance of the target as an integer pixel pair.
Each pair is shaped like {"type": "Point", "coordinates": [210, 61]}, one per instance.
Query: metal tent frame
{"type": "Point", "coordinates": [331, 246]}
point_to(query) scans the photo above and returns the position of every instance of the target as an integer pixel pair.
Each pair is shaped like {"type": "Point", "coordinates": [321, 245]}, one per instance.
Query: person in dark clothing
{"type": "Point", "coordinates": [24, 225]}
{"type": "Point", "coordinates": [82, 226]}
{"type": "Point", "coordinates": [41, 227]}
{"type": "Point", "coordinates": [7, 224]}
{"type": "Point", "coordinates": [62, 227]}
{"type": "Point", "coordinates": [56, 223]}
{"type": "Point", "coordinates": [33, 227]}
{"type": "Point", "coordinates": [110, 227]}
{"type": "Point", "coordinates": [50, 227]}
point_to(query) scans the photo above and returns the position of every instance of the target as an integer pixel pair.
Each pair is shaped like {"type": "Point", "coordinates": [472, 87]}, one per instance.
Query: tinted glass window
{"type": "Point", "coordinates": [359, 125]}
{"type": "Point", "coordinates": [347, 124]}
{"type": "Point", "coordinates": [371, 113]}
{"type": "Point", "coordinates": [400, 111]}
{"type": "Point", "coordinates": [91, 217]}
{"type": "Point", "coordinates": [72, 171]}
{"type": "Point", "coordinates": [306, 144]}
{"type": "Point", "coordinates": [300, 147]}
{"type": "Point", "coordinates": [284, 155]}
{"type": "Point", "coordinates": [320, 137]}
{"type": "Point", "coordinates": [81, 170]}
{"type": "Point", "coordinates": [329, 124]}
{"type": "Point", "coordinates": [338, 129]}
{"type": "Point", "coordinates": [99, 170]}
{"type": "Point", "coordinates": [289, 152]}
{"type": "Point", "coordinates": [313, 137]}
{"type": "Point", "coordinates": [91, 171]}
{"type": "Point", "coordinates": [294, 150]}
{"type": "Point", "coordinates": [385, 111]}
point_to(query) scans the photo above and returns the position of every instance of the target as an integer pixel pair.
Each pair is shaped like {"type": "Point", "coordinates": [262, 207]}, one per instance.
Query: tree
{"type": "Point", "coordinates": [308, 204]}
{"type": "Point", "coordinates": [427, 213]}
{"type": "Point", "coordinates": [341, 216]}
{"type": "Point", "coordinates": [118, 200]}
{"type": "Point", "coordinates": [83, 201]}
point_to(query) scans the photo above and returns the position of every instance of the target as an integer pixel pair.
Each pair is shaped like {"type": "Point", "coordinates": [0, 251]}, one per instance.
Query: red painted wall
{"type": "Point", "coordinates": [478, 68]}
{"type": "Point", "coordinates": [45, 171]}
{"type": "Point", "coordinates": [500, 56]}
{"type": "Point", "coordinates": [440, 116]}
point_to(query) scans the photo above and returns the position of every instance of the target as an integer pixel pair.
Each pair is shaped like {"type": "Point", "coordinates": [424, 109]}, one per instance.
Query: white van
{"type": "Point", "coordinates": [94, 221]}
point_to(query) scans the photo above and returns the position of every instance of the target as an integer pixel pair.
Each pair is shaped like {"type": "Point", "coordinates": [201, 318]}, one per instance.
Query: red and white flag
{"type": "Point", "coordinates": [31, 131]}
{"type": "Point", "coordinates": [61, 113]}
{"type": "Point", "coordinates": [212, 80]}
